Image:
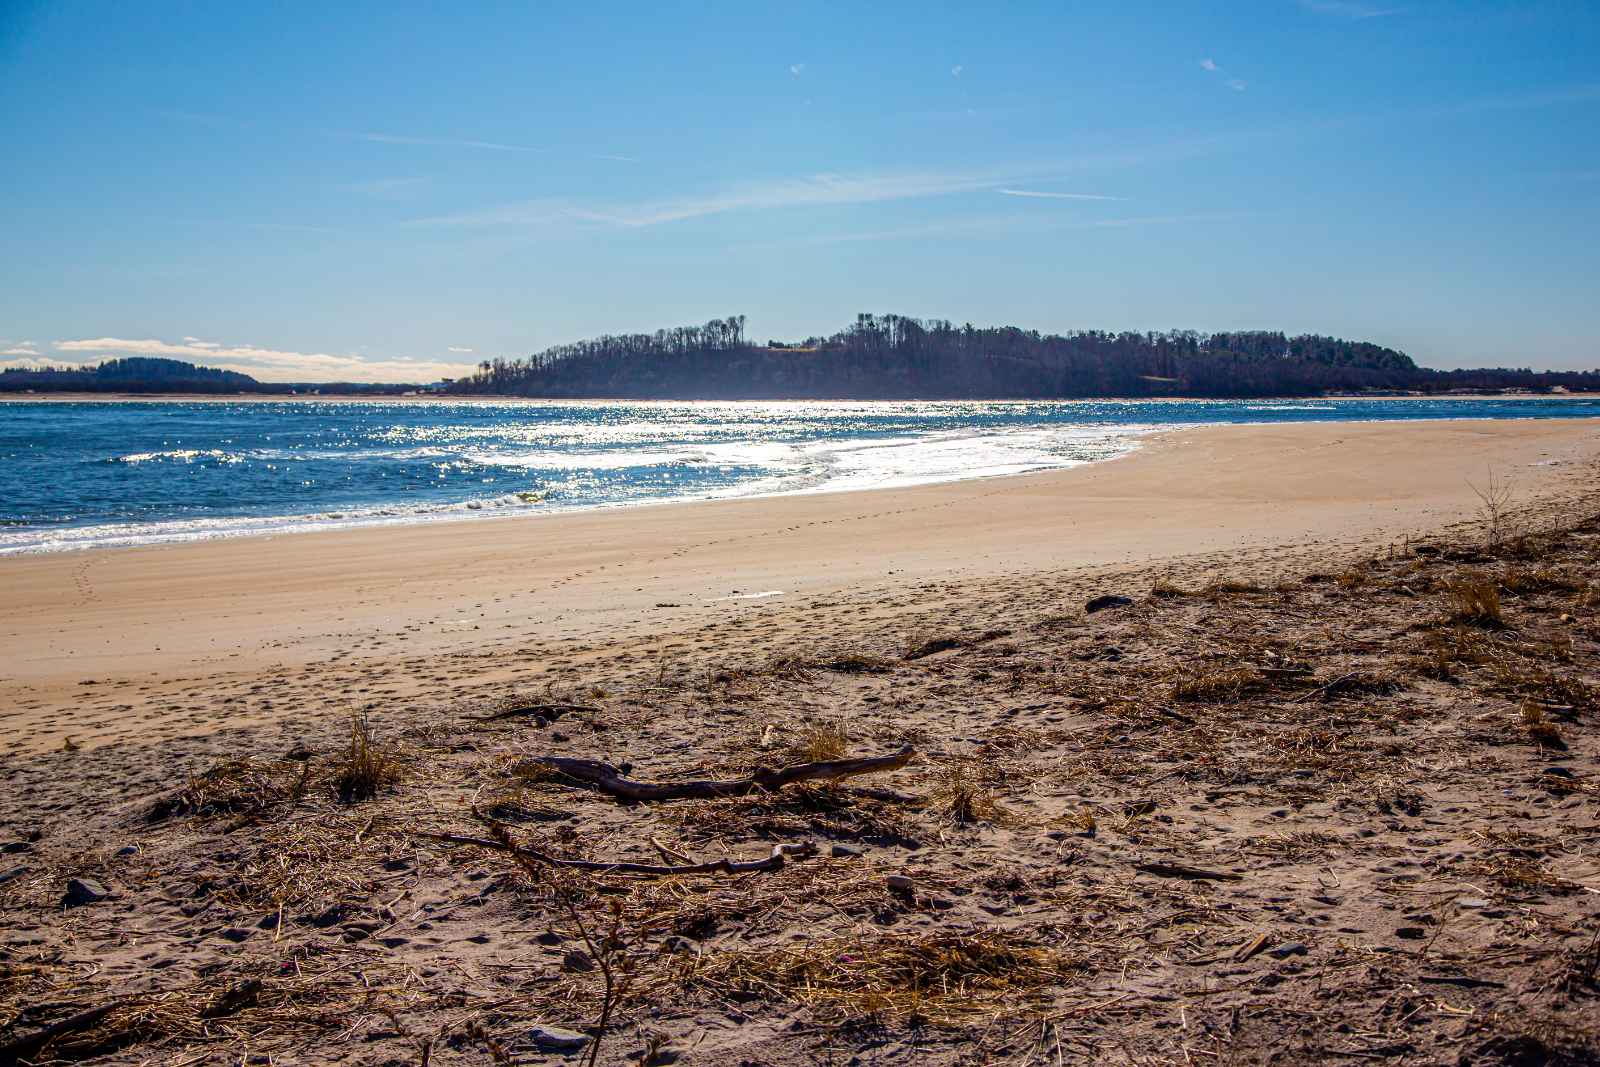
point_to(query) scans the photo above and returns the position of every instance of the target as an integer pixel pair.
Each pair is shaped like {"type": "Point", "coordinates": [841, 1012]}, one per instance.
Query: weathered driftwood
{"type": "Point", "coordinates": [607, 779]}
{"type": "Point", "coordinates": [24, 1049]}
{"type": "Point", "coordinates": [548, 712]}
{"type": "Point", "coordinates": [723, 866]}
{"type": "Point", "coordinates": [1183, 870]}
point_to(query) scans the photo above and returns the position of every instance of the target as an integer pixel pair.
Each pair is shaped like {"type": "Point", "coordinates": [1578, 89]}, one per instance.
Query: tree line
{"type": "Point", "coordinates": [149, 374]}
{"type": "Point", "coordinates": [897, 357]}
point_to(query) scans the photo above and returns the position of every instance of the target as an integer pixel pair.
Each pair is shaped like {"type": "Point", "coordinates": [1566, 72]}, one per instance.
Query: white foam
{"type": "Point", "coordinates": [785, 467]}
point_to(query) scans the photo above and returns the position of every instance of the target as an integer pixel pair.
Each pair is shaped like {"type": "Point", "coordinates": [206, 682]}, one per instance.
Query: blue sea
{"type": "Point", "coordinates": [103, 473]}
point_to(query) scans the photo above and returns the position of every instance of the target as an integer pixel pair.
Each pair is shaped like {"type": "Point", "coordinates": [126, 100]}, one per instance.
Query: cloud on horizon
{"type": "Point", "coordinates": [266, 364]}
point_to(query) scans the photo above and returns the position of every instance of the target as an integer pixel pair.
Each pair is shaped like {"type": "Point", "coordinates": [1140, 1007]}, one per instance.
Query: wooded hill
{"type": "Point", "coordinates": [895, 357]}
{"type": "Point", "coordinates": [145, 374]}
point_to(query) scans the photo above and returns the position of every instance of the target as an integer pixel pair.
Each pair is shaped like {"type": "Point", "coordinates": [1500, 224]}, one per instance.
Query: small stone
{"type": "Point", "coordinates": [557, 1039]}
{"type": "Point", "coordinates": [1471, 903]}
{"type": "Point", "coordinates": [1411, 933]}
{"type": "Point", "coordinates": [577, 961]}
{"type": "Point", "coordinates": [126, 851]}
{"type": "Point", "coordinates": [299, 753]}
{"type": "Point", "coordinates": [13, 873]}
{"type": "Point", "coordinates": [269, 921]}
{"type": "Point", "coordinates": [235, 934]}
{"type": "Point", "coordinates": [1102, 603]}
{"type": "Point", "coordinates": [549, 937]}
{"type": "Point", "coordinates": [11, 848]}
{"type": "Point", "coordinates": [1283, 952]}
{"type": "Point", "coordinates": [900, 883]}
{"type": "Point", "coordinates": [844, 852]}
{"type": "Point", "coordinates": [81, 891]}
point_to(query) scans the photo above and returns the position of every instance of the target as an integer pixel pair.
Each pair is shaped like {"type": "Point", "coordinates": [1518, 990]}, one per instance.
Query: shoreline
{"type": "Point", "coordinates": [488, 398]}
{"type": "Point", "coordinates": [160, 533]}
{"type": "Point", "coordinates": [120, 644]}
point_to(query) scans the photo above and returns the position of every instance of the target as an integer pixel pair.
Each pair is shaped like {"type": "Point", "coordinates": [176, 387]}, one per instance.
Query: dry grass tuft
{"type": "Point", "coordinates": [1361, 684]}
{"type": "Point", "coordinates": [920, 647]}
{"type": "Point", "coordinates": [1166, 590]}
{"type": "Point", "coordinates": [1230, 587]}
{"type": "Point", "coordinates": [1540, 730]}
{"type": "Point", "coordinates": [943, 979]}
{"type": "Point", "coordinates": [192, 1013]}
{"type": "Point", "coordinates": [366, 767]}
{"type": "Point", "coordinates": [1473, 598]}
{"type": "Point", "coordinates": [1523, 580]}
{"type": "Point", "coordinates": [1215, 687]}
{"type": "Point", "coordinates": [856, 663]}
{"type": "Point", "coordinates": [821, 741]}
{"type": "Point", "coordinates": [961, 796]}
{"type": "Point", "coordinates": [247, 787]}
{"type": "Point", "coordinates": [828, 811]}
{"type": "Point", "coordinates": [1354, 578]}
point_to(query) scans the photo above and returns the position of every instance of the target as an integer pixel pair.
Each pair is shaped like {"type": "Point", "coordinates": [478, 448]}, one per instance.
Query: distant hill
{"type": "Point", "coordinates": [895, 357]}
{"type": "Point", "coordinates": [142, 374]}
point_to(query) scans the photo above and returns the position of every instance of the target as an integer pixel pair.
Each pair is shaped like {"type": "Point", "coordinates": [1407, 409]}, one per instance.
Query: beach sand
{"type": "Point", "coordinates": [141, 644]}
{"type": "Point", "coordinates": [1324, 787]}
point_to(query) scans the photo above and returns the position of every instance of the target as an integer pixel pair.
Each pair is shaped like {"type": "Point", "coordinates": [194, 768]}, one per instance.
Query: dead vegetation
{"type": "Point", "coordinates": [939, 979]}
{"type": "Point", "coordinates": [1261, 815]}
{"type": "Point", "coordinates": [367, 766]}
{"type": "Point", "coordinates": [1473, 599]}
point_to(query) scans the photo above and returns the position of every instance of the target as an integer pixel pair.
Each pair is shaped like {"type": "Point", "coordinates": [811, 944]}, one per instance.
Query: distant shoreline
{"type": "Point", "coordinates": [485, 398]}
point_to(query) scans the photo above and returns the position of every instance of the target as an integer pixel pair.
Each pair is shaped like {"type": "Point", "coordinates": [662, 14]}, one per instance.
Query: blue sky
{"type": "Point", "coordinates": [385, 191]}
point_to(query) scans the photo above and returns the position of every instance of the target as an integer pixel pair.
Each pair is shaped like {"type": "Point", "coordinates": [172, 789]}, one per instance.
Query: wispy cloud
{"type": "Point", "coordinates": [267, 364]}
{"type": "Point", "coordinates": [24, 349]}
{"type": "Point", "coordinates": [1211, 66]}
{"type": "Point", "coordinates": [813, 190]}
{"type": "Point", "coordinates": [1056, 196]}
{"type": "Point", "coordinates": [1007, 226]}
{"type": "Point", "coordinates": [1349, 10]}
{"type": "Point", "coordinates": [455, 348]}
{"type": "Point", "coordinates": [797, 69]}
{"type": "Point", "coordinates": [955, 71]}
{"type": "Point", "coordinates": [387, 188]}
{"type": "Point", "coordinates": [487, 146]}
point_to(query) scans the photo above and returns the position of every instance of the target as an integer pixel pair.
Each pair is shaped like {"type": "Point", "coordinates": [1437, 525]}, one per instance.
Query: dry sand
{"type": "Point", "coordinates": [1315, 812]}
{"type": "Point", "coordinates": [168, 632]}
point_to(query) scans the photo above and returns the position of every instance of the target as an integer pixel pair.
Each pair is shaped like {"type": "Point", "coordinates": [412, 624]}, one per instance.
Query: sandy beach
{"type": "Point", "coordinates": [858, 777]}
{"type": "Point", "coordinates": [119, 644]}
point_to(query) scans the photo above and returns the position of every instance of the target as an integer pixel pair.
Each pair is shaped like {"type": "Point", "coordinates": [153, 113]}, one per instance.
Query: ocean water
{"type": "Point", "coordinates": [90, 474]}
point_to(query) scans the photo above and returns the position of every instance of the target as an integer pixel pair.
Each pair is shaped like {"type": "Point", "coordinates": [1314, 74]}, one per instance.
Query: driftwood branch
{"type": "Point", "coordinates": [607, 779]}
{"type": "Point", "coordinates": [1183, 870]}
{"type": "Point", "coordinates": [24, 1049]}
{"type": "Point", "coordinates": [780, 853]}
{"type": "Point", "coordinates": [548, 712]}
